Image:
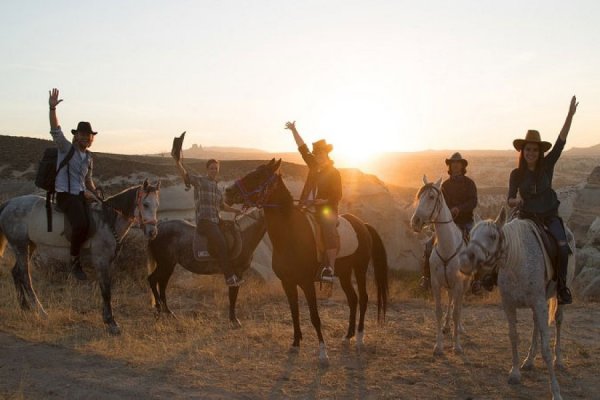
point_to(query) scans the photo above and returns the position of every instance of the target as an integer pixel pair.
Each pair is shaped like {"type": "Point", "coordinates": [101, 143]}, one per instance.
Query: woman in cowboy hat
{"type": "Point", "coordinates": [73, 183]}
{"type": "Point", "coordinates": [323, 189]}
{"type": "Point", "coordinates": [532, 180]}
{"type": "Point", "coordinates": [460, 194]}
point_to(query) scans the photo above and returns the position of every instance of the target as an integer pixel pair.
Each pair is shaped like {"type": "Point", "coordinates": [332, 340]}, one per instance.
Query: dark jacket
{"type": "Point", "coordinates": [324, 183]}
{"type": "Point", "coordinates": [461, 192]}
{"type": "Point", "coordinates": [535, 187]}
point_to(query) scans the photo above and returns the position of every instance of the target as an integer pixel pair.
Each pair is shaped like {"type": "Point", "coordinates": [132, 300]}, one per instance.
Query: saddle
{"type": "Point", "coordinates": [347, 241]}
{"type": "Point", "coordinates": [548, 243]}
{"type": "Point", "coordinates": [233, 236]}
{"type": "Point", "coordinates": [62, 233]}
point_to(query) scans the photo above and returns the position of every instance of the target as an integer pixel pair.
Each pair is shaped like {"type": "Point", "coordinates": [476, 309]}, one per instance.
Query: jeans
{"type": "Point", "coordinates": [76, 210]}
{"type": "Point", "coordinates": [216, 242]}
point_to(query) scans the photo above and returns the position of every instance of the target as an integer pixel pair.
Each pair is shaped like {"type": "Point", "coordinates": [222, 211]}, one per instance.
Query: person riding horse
{"type": "Point", "coordinates": [208, 200]}
{"type": "Point", "coordinates": [532, 181]}
{"type": "Point", "coordinates": [323, 189]}
{"type": "Point", "coordinates": [74, 182]}
{"type": "Point", "coordinates": [460, 194]}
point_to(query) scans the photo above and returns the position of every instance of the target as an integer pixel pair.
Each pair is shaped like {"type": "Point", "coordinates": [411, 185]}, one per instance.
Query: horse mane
{"type": "Point", "coordinates": [124, 201]}
{"type": "Point", "coordinates": [287, 201]}
{"type": "Point", "coordinates": [513, 235]}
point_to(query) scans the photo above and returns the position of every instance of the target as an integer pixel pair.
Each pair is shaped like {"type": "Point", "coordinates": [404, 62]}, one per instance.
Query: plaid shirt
{"type": "Point", "coordinates": [208, 198]}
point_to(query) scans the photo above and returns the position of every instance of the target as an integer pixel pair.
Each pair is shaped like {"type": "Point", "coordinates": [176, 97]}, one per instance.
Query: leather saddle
{"type": "Point", "coordinates": [318, 234]}
{"type": "Point", "coordinates": [233, 237]}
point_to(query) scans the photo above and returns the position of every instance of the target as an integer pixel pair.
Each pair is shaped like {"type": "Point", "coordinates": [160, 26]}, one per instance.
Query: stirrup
{"type": "Point", "coordinates": [564, 296]}
{"type": "Point", "coordinates": [234, 281]}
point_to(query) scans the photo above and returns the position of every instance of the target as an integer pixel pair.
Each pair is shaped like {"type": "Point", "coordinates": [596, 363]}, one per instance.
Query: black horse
{"type": "Point", "coordinates": [173, 245]}
{"type": "Point", "coordinates": [295, 256]}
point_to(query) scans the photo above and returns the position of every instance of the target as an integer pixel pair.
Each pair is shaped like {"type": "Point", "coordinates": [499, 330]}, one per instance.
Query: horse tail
{"type": "Point", "coordinates": [3, 240]}
{"type": "Point", "coordinates": [381, 268]}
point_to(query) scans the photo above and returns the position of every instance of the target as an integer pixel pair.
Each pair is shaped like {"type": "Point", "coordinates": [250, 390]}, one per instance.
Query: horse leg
{"type": "Point", "coordinates": [446, 328]}
{"type": "Point", "coordinates": [291, 293]}
{"type": "Point", "coordinates": [311, 299]}
{"type": "Point", "coordinates": [438, 349]}
{"type": "Point", "coordinates": [514, 375]}
{"type": "Point", "coordinates": [22, 279]}
{"type": "Point", "coordinates": [105, 289]}
{"type": "Point", "coordinates": [456, 312]}
{"type": "Point", "coordinates": [346, 284]}
{"type": "Point", "coordinates": [541, 317]}
{"type": "Point", "coordinates": [363, 299]}
{"type": "Point", "coordinates": [233, 294]}
{"type": "Point", "coordinates": [163, 281]}
{"type": "Point", "coordinates": [153, 282]}
{"type": "Point", "coordinates": [558, 361]}
{"type": "Point", "coordinates": [528, 364]}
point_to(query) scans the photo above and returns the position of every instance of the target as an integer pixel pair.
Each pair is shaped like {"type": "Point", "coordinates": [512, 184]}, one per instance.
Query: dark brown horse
{"type": "Point", "coordinates": [173, 245]}
{"type": "Point", "coordinates": [295, 256]}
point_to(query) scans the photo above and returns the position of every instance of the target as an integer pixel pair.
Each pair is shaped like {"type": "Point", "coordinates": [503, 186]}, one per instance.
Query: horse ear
{"type": "Point", "coordinates": [276, 165]}
{"type": "Point", "coordinates": [425, 182]}
{"type": "Point", "coordinates": [270, 163]}
{"type": "Point", "coordinates": [438, 183]}
{"type": "Point", "coordinates": [501, 218]}
{"type": "Point", "coordinates": [145, 185]}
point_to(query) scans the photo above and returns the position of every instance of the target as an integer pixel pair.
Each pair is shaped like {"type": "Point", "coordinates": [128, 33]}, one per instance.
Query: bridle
{"type": "Point", "coordinates": [259, 196]}
{"type": "Point", "coordinates": [491, 259]}
{"type": "Point", "coordinates": [437, 206]}
{"type": "Point", "coordinates": [140, 196]}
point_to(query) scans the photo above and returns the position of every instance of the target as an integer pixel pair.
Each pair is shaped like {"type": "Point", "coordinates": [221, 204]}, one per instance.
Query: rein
{"type": "Point", "coordinates": [447, 261]}
{"type": "Point", "coordinates": [258, 197]}
{"type": "Point", "coordinates": [491, 259]}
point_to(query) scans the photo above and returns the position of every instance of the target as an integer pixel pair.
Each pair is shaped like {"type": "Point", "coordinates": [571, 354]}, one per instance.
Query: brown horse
{"type": "Point", "coordinates": [295, 255]}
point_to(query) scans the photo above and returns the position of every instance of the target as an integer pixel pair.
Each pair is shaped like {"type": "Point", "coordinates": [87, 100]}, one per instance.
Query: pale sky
{"type": "Point", "coordinates": [366, 75]}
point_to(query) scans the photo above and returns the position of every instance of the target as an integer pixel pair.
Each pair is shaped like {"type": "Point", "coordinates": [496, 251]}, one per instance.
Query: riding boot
{"type": "Point", "coordinates": [563, 293]}
{"type": "Point", "coordinates": [76, 269]}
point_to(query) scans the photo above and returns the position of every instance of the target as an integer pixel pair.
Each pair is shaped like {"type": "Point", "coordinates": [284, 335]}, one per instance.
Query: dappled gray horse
{"type": "Point", "coordinates": [523, 281]}
{"type": "Point", "coordinates": [443, 262]}
{"type": "Point", "coordinates": [173, 246]}
{"type": "Point", "coordinates": [23, 227]}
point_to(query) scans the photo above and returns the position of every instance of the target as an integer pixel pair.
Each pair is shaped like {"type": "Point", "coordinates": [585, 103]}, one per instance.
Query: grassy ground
{"type": "Point", "coordinates": [200, 355]}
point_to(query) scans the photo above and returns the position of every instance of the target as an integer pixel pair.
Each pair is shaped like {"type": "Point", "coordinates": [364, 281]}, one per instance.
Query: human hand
{"type": "Point", "coordinates": [573, 106]}
{"type": "Point", "coordinates": [53, 99]}
{"type": "Point", "coordinates": [291, 126]}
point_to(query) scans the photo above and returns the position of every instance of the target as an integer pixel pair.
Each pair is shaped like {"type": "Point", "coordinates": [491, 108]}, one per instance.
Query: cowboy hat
{"type": "Point", "coordinates": [321, 145]}
{"type": "Point", "coordinates": [532, 137]}
{"type": "Point", "coordinates": [83, 127]}
{"type": "Point", "coordinates": [456, 157]}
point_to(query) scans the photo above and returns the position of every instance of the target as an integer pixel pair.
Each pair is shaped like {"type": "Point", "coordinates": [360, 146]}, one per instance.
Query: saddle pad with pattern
{"type": "Point", "coordinates": [347, 239]}
{"type": "Point", "coordinates": [550, 268]}
{"type": "Point", "coordinates": [233, 237]}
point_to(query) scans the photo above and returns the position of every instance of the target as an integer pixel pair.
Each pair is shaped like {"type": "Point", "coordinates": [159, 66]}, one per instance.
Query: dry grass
{"type": "Point", "coordinates": [199, 352]}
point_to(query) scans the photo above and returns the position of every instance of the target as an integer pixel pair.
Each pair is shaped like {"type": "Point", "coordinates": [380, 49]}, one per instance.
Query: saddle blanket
{"type": "Point", "coordinates": [348, 241]}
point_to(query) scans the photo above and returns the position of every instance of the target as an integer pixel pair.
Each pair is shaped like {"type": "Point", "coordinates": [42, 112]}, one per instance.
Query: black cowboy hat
{"type": "Point", "coordinates": [321, 146]}
{"type": "Point", "coordinates": [83, 127]}
{"type": "Point", "coordinates": [456, 157]}
{"type": "Point", "coordinates": [532, 137]}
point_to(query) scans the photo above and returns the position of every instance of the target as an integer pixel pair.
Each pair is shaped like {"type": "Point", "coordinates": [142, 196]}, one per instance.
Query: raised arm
{"type": "Point", "coordinates": [567, 126]}
{"type": "Point", "coordinates": [53, 101]}
{"type": "Point", "coordinates": [184, 174]}
{"type": "Point", "coordinates": [292, 127]}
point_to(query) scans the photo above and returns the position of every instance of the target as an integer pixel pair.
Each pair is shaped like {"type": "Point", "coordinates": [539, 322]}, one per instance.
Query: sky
{"type": "Point", "coordinates": [368, 76]}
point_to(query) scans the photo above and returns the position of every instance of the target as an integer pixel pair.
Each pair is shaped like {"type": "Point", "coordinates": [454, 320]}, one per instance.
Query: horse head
{"type": "Point", "coordinates": [255, 188]}
{"type": "Point", "coordinates": [486, 245]}
{"type": "Point", "coordinates": [147, 202]}
{"type": "Point", "coordinates": [429, 204]}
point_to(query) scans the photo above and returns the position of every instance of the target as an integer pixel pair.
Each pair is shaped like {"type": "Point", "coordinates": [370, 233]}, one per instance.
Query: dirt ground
{"type": "Point", "coordinates": [199, 355]}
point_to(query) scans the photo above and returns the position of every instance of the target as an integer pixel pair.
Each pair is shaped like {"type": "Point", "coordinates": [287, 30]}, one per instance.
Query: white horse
{"type": "Point", "coordinates": [443, 262]}
{"type": "Point", "coordinates": [523, 282]}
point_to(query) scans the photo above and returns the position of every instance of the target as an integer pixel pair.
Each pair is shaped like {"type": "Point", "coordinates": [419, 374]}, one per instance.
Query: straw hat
{"type": "Point", "coordinates": [321, 146]}
{"type": "Point", "coordinates": [532, 137]}
{"type": "Point", "coordinates": [456, 157]}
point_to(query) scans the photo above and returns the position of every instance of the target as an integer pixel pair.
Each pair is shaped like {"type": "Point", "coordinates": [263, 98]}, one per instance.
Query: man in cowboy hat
{"type": "Point", "coordinates": [460, 194]}
{"type": "Point", "coordinates": [74, 182]}
{"type": "Point", "coordinates": [532, 180]}
{"type": "Point", "coordinates": [323, 189]}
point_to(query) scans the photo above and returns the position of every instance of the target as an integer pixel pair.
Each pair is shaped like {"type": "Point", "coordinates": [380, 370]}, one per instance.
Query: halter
{"type": "Point", "coordinates": [437, 207]}
{"type": "Point", "coordinates": [140, 217]}
{"type": "Point", "coordinates": [258, 197]}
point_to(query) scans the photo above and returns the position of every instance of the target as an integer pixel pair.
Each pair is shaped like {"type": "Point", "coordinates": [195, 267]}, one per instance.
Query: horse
{"type": "Point", "coordinates": [173, 245]}
{"type": "Point", "coordinates": [23, 227]}
{"type": "Point", "coordinates": [443, 261]}
{"type": "Point", "coordinates": [295, 260]}
{"type": "Point", "coordinates": [521, 261]}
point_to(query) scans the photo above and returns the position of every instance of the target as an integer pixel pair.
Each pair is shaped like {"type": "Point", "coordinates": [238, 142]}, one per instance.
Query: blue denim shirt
{"type": "Point", "coordinates": [78, 168]}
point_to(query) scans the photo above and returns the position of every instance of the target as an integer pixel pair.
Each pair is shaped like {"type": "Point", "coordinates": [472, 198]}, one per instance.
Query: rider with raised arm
{"type": "Point", "coordinates": [74, 182]}
{"type": "Point", "coordinates": [208, 200]}
{"type": "Point", "coordinates": [532, 181]}
{"type": "Point", "coordinates": [323, 189]}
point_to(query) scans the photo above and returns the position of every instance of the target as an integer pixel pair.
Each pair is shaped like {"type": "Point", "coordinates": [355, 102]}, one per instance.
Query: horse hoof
{"type": "Point", "coordinates": [324, 361]}
{"type": "Point", "coordinates": [458, 350]}
{"type": "Point", "coordinates": [438, 351]}
{"type": "Point", "coordinates": [527, 366]}
{"type": "Point", "coordinates": [446, 330]}
{"type": "Point", "coordinates": [514, 379]}
{"type": "Point", "coordinates": [294, 349]}
{"type": "Point", "coordinates": [114, 330]}
{"type": "Point", "coordinates": [560, 366]}
{"type": "Point", "coordinates": [235, 323]}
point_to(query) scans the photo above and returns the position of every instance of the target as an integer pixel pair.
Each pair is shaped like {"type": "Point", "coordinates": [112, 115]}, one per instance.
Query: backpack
{"type": "Point", "coordinates": [46, 176]}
